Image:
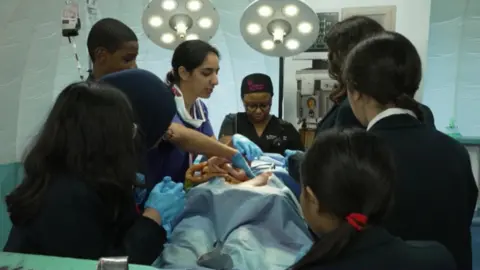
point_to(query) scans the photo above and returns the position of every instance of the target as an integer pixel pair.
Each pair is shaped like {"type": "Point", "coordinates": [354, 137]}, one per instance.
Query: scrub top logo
{"type": "Point", "coordinates": [271, 137]}
{"type": "Point", "coordinates": [255, 86]}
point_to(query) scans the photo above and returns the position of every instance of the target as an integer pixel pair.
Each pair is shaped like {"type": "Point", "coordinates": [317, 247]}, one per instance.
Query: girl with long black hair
{"type": "Point", "coordinates": [347, 190]}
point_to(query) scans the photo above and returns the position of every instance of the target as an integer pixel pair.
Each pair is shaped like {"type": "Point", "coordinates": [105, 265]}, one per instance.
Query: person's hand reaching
{"type": "Point", "coordinates": [259, 180]}
{"type": "Point", "coordinates": [168, 199]}
{"type": "Point", "coordinates": [238, 174]}
{"type": "Point", "coordinates": [289, 153]}
{"type": "Point", "coordinates": [240, 163]}
{"type": "Point", "coordinates": [246, 147]}
{"type": "Point", "coordinates": [215, 165]}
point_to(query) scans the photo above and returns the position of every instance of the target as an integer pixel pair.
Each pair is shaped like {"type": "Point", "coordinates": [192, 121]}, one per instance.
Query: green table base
{"type": "Point", "coordinates": [14, 261]}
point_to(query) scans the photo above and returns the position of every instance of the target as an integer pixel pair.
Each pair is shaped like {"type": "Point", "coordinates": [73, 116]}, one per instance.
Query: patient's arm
{"type": "Point", "coordinates": [257, 181]}
{"type": "Point", "coordinates": [216, 166]}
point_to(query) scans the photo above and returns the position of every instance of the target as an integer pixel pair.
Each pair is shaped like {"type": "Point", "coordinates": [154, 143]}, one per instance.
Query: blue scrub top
{"type": "Point", "coordinates": [169, 160]}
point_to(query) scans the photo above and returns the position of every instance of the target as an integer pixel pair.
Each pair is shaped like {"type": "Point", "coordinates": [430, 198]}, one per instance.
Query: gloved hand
{"type": "Point", "coordinates": [240, 163]}
{"type": "Point", "coordinates": [140, 193]}
{"type": "Point", "coordinates": [168, 198]}
{"type": "Point", "coordinates": [246, 147]}
{"type": "Point", "coordinates": [288, 153]}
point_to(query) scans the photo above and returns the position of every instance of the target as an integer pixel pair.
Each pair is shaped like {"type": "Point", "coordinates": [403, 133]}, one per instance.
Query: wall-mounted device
{"type": "Point", "coordinates": [314, 85]}
{"type": "Point", "coordinates": [71, 25]}
{"type": "Point", "coordinates": [313, 90]}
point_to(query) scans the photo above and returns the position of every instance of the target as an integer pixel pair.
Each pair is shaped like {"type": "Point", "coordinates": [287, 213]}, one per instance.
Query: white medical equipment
{"type": "Point", "coordinates": [70, 27]}
{"type": "Point", "coordinates": [279, 28]}
{"type": "Point", "coordinates": [170, 22]}
{"type": "Point", "coordinates": [314, 84]}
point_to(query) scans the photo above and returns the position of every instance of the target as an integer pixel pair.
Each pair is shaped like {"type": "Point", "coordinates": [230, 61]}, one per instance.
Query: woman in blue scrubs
{"type": "Point", "coordinates": [194, 75]}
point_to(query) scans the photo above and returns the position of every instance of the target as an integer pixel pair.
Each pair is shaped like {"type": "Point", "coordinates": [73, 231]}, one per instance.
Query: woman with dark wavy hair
{"type": "Point", "coordinates": [76, 199]}
{"type": "Point", "coordinates": [340, 40]}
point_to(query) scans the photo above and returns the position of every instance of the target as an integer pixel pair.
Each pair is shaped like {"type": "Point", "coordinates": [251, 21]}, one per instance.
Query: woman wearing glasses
{"type": "Point", "coordinates": [271, 134]}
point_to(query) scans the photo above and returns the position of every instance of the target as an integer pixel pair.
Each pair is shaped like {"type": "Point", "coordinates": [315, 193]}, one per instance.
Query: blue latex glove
{"type": "Point", "coordinates": [168, 198]}
{"type": "Point", "coordinates": [239, 162]}
{"type": "Point", "coordinates": [140, 193]}
{"type": "Point", "coordinates": [246, 147]}
{"type": "Point", "coordinates": [288, 153]}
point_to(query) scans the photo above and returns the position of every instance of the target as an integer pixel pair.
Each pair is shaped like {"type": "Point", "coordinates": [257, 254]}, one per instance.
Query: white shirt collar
{"type": "Point", "coordinates": [182, 111]}
{"type": "Point", "coordinates": [387, 113]}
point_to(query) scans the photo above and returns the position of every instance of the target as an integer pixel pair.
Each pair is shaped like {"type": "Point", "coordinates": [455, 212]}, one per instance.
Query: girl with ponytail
{"type": "Point", "coordinates": [436, 192]}
{"type": "Point", "coordinates": [347, 181]}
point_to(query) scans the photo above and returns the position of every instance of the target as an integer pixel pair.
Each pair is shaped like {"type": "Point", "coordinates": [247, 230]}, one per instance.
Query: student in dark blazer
{"type": "Point", "coordinates": [436, 193]}
{"type": "Point", "coordinates": [77, 196]}
{"type": "Point", "coordinates": [340, 39]}
{"type": "Point", "coordinates": [348, 181]}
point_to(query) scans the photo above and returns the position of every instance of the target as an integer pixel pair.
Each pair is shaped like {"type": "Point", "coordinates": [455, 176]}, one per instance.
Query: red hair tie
{"type": "Point", "coordinates": [358, 221]}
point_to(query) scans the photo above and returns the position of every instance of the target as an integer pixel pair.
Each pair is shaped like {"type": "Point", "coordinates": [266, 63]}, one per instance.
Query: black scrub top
{"type": "Point", "coordinates": [277, 137]}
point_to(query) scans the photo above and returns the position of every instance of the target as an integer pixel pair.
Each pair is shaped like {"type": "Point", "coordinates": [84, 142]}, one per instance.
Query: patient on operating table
{"type": "Point", "coordinates": [220, 167]}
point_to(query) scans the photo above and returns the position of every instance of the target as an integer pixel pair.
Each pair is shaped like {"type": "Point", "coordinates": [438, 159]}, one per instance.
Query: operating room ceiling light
{"type": "Point", "coordinates": [155, 21]}
{"type": "Point", "coordinates": [192, 37]}
{"type": "Point", "coordinates": [169, 5]}
{"type": "Point", "coordinates": [290, 10]}
{"type": "Point", "coordinates": [194, 5]}
{"type": "Point", "coordinates": [169, 22]}
{"type": "Point", "coordinates": [254, 28]}
{"type": "Point", "coordinates": [279, 28]}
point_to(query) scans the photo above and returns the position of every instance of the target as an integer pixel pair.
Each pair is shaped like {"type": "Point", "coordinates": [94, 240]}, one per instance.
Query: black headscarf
{"type": "Point", "coordinates": [152, 101]}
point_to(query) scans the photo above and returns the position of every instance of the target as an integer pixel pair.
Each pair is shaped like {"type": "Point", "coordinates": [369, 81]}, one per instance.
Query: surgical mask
{"type": "Point", "coordinates": [184, 114]}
